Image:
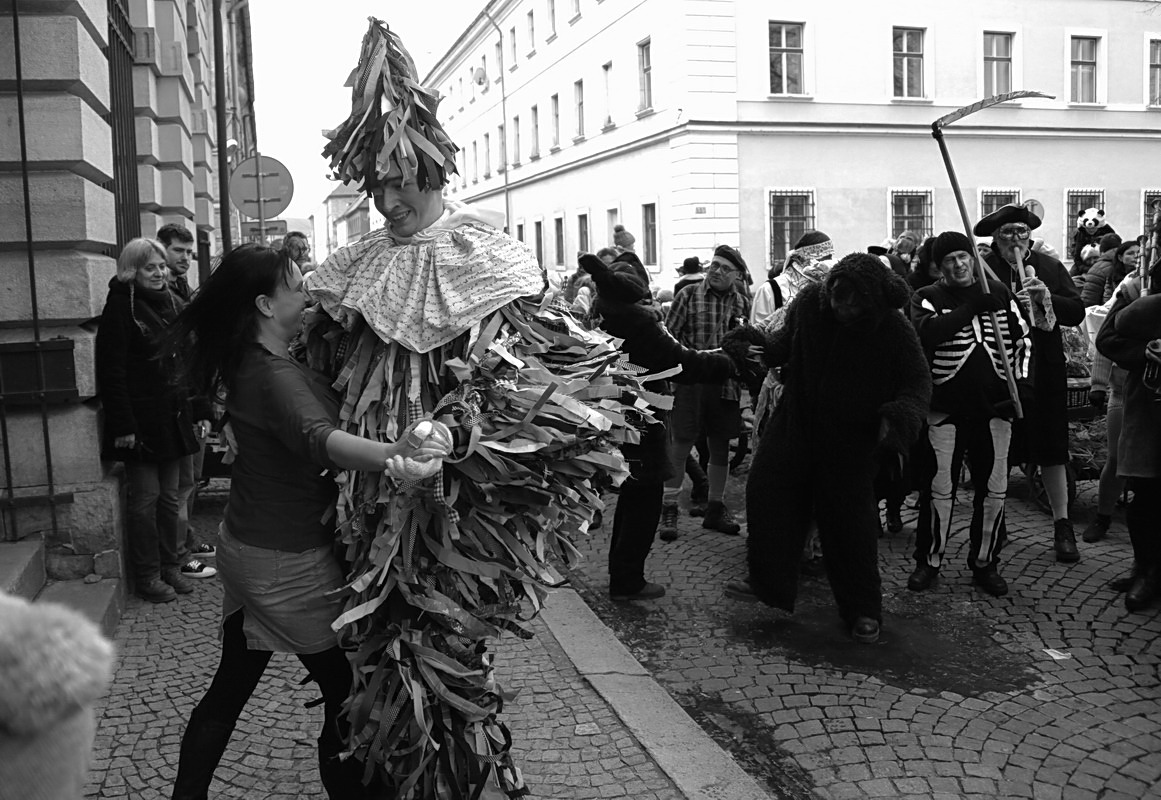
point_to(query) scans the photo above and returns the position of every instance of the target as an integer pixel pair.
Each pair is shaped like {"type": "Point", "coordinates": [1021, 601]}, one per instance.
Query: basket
{"type": "Point", "coordinates": [1078, 389]}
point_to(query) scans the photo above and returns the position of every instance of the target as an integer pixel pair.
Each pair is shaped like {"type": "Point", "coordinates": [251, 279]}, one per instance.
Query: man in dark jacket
{"type": "Point", "coordinates": [1050, 300]}
{"type": "Point", "coordinates": [857, 391]}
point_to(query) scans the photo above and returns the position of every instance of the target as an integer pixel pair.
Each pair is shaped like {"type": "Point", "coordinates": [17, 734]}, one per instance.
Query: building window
{"type": "Point", "coordinates": [512, 46]}
{"type": "Point", "coordinates": [785, 58]}
{"type": "Point", "coordinates": [472, 83]}
{"type": "Point", "coordinates": [558, 237]}
{"type": "Point", "coordinates": [520, 231]}
{"type": "Point", "coordinates": [502, 139]}
{"type": "Point", "coordinates": [578, 93]}
{"type": "Point", "coordinates": [644, 76]}
{"type": "Point", "coordinates": [1155, 72]}
{"type": "Point", "coordinates": [534, 119]}
{"type": "Point", "coordinates": [463, 167]}
{"type": "Point", "coordinates": [482, 75]}
{"type": "Point", "coordinates": [1080, 199]}
{"type": "Point", "coordinates": [461, 93]}
{"type": "Point", "coordinates": [791, 215]}
{"type": "Point", "coordinates": [911, 211]}
{"type": "Point", "coordinates": [575, 9]}
{"type": "Point", "coordinates": [475, 162]}
{"type": "Point", "coordinates": [538, 226]}
{"type": "Point", "coordinates": [555, 108]}
{"type": "Point", "coordinates": [499, 59]}
{"type": "Point", "coordinates": [908, 54]}
{"type": "Point", "coordinates": [612, 215]}
{"type": "Point", "coordinates": [487, 155]}
{"type": "Point", "coordinates": [1084, 69]}
{"type": "Point", "coordinates": [551, 18]}
{"type": "Point", "coordinates": [582, 232]}
{"type": "Point", "coordinates": [515, 140]}
{"type": "Point", "coordinates": [994, 199]}
{"type": "Point", "coordinates": [997, 63]}
{"type": "Point", "coordinates": [1149, 211]}
{"type": "Point", "coordinates": [607, 74]}
{"type": "Point", "coordinates": [649, 233]}
{"type": "Point", "coordinates": [531, 32]}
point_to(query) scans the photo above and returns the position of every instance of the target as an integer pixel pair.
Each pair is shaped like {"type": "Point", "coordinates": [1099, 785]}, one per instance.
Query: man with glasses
{"type": "Point", "coordinates": [699, 318]}
{"type": "Point", "coordinates": [1049, 300]}
{"type": "Point", "coordinates": [297, 246]}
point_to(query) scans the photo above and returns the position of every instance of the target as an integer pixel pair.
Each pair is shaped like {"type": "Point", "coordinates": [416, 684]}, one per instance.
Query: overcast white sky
{"type": "Point", "coordinates": [303, 52]}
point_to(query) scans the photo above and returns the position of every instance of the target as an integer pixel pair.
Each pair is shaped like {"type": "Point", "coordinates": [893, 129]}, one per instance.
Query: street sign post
{"type": "Point", "coordinates": [261, 187]}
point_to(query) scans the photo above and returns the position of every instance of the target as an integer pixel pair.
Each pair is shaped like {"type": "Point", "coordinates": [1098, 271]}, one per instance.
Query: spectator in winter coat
{"type": "Point", "coordinates": [1109, 270]}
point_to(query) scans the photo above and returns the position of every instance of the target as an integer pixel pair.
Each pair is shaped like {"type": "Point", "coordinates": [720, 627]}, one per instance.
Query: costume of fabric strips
{"type": "Point", "coordinates": [452, 325]}
{"type": "Point", "coordinates": [392, 130]}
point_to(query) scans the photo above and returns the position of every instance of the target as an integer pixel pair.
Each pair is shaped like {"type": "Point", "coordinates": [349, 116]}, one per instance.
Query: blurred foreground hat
{"type": "Point", "coordinates": [690, 266]}
{"type": "Point", "coordinates": [950, 242]}
{"type": "Point", "coordinates": [1004, 215]}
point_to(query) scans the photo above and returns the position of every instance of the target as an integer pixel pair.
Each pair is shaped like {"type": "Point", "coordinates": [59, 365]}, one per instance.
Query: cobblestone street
{"type": "Point", "coordinates": [1050, 692]}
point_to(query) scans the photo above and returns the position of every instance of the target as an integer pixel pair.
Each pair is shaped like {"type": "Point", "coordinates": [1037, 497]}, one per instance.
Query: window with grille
{"type": "Point", "coordinates": [1079, 200]}
{"type": "Point", "coordinates": [558, 236]}
{"type": "Point", "coordinates": [911, 211]}
{"type": "Point", "coordinates": [791, 215]}
{"type": "Point", "coordinates": [1149, 211]}
{"type": "Point", "coordinates": [907, 44]}
{"type": "Point", "coordinates": [644, 76]}
{"type": "Point", "coordinates": [649, 233]}
{"type": "Point", "coordinates": [1084, 69]}
{"type": "Point", "coordinates": [1155, 72]}
{"type": "Point", "coordinates": [582, 232]}
{"type": "Point", "coordinates": [997, 63]}
{"type": "Point", "coordinates": [785, 58]}
{"type": "Point", "coordinates": [994, 199]}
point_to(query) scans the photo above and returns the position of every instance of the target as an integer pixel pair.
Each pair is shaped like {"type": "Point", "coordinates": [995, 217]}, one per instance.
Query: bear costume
{"type": "Point", "coordinates": [856, 395]}
{"type": "Point", "coordinates": [1090, 227]}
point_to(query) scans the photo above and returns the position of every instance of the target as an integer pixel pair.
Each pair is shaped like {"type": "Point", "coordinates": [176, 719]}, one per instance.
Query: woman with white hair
{"type": "Point", "coordinates": [149, 420]}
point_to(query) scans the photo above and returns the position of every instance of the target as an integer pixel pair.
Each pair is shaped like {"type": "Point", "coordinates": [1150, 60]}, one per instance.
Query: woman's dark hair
{"type": "Point", "coordinates": [210, 335]}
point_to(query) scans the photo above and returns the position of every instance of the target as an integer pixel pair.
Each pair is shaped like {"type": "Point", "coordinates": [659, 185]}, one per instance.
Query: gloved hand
{"type": "Point", "coordinates": [592, 265]}
{"type": "Point", "coordinates": [986, 301]}
{"type": "Point", "coordinates": [1098, 399]}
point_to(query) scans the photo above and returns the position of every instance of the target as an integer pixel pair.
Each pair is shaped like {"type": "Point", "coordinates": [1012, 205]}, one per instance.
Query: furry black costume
{"type": "Point", "coordinates": [855, 395]}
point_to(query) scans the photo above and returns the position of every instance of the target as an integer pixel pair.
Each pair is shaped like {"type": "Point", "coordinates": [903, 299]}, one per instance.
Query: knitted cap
{"type": "Point", "coordinates": [1110, 241]}
{"type": "Point", "coordinates": [950, 242]}
{"type": "Point", "coordinates": [622, 238]}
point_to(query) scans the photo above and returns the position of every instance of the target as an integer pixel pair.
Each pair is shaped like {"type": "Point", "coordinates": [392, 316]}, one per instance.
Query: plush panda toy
{"type": "Point", "coordinates": [1090, 227]}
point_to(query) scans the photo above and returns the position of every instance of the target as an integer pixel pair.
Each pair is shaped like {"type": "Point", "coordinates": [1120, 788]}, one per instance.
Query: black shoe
{"type": "Point", "coordinates": [1123, 583]}
{"type": "Point", "coordinates": [668, 528]}
{"type": "Point", "coordinates": [894, 521]}
{"type": "Point", "coordinates": [922, 578]}
{"type": "Point", "coordinates": [988, 579]}
{"type": "Point", "coordinates": [697, 509]}
{"type": "Point", "coordinates": [650, 591]}
{"type": "Point", "coordinates": [1143, 590]}
{"type": "Point", "coordinates": [865, 630]}
{"type": "Point", "coordinates": [1066, 551]}
{"type": "Point", "coordinates": [155, 590]}
{"type": "Point", "coordinates": [1098, 529]}
{"type": "Point", "coordinates": [719, 518]}
{"type": "Point", "coordinates": [699, 494]}
{"type": "Point", "coordinates": [740, 589]}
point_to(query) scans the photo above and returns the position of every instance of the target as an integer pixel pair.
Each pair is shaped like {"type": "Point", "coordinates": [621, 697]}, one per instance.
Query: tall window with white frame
{"type": "Point", "coordinates": [499, 59]}
{"type": "Point", "coordinates": [538, 229]}
{"type": "Point", "coordinates": [515, 140]}
{"type": "Point", "coordinates": [512, 46]}
{"type": "Point", "coordinates": [575, 8]}
{"type": "Point", "coordinates": [1084, 69]}
{"type": "Point", "coordinates": [911, 211]}
{"type": "Point", "coordinates": [582, 232]}
{"type": "Point", "coordinates": [995, 199]}
{"type": "Point", "coordinates": [472, 83]}
{"type": "Point", "coordinates": [558, 240]}
{"type": "Point", "coordinates": [997, 63]}
{"type": "Point", "coordinates": [791, 215]}
{"type": "Point", "coordinates": [1155, 72]}
{"type": "Point", "coordinates": [649, 233]}
{"type": "Point", "coordinates": [1149, 210]}
{"type": "Point", "coordinates": [607, 76]}
{"type": "Point", "coordinates": [554, 109]}
{"type": "Point", "coordinates": [786, 54]}
{"type": "Point", "coordinates": [502, 139]}
{"type": "Point", "coordinates": [531, 32]}
{"type": "Point", "coordinates": [534, 132]}
{"type": "Point", "coordinates": [475, 162]}
{"type": "Point", "coordinates": [612, 215]}
{"type": "Point", "coordinates": [578, 95]}
{"type": "Point", "coordinates": [907, 45]}
{"type": "Point", "coordinates": [551, 18]}
{"type": "Point", "coordinates": [645, 75]}
{"type": "Point", "coordinates": [487, 155]}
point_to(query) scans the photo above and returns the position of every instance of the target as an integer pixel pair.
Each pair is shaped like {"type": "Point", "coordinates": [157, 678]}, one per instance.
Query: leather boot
{"type": "Point", "coordinates": [1066, 551]}
{"type": "Point", "coordinates": [201, 749]}
{"type": "Point", "coordinates": [668, 527]}
{"type": "Point", "coordinates": [1143, 590]}
{"type": "Point", "coordinates": [342, 780]}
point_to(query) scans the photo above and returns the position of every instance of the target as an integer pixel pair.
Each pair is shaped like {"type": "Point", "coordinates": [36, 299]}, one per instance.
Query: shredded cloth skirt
{"type": "Point", "coordinates": [283, 594]}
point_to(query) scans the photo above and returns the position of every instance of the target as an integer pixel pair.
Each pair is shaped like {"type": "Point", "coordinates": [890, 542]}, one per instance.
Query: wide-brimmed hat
{"type": "Point", "coordinates": [1004, 215]}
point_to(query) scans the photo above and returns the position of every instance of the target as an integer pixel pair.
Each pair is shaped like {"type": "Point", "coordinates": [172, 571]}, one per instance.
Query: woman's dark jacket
{"type": "Point", "coordinates": [136, 388]}
{"type": "Point", "coordinates": [648, 344]}
{"type": "Point", "coordinates": [1129, 327]}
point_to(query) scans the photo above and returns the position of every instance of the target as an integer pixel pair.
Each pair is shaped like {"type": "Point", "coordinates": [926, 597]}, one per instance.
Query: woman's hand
{"type": "Point", "coordinates": [126, 442]}
{"type": "Point", "coordinates": [420, 451]}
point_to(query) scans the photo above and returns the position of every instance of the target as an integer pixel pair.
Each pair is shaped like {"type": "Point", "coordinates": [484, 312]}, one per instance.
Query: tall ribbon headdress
{"type": "Point", "coordinates": [392, 131]}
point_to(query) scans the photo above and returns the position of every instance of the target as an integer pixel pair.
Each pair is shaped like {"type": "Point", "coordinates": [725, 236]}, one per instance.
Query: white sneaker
{"type": "Point", "coordinates": [196, 569]}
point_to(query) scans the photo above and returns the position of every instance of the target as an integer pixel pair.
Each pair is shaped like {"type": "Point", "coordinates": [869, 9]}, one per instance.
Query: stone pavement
{"type": "Point", "coordinates": [569, 742]}
{"type": "Point", "coordinates": [1051, 692]}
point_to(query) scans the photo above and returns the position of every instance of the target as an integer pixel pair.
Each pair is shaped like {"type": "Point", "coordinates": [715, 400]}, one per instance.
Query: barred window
{"type": "Point", "coordinates": [911, 210]}
{"type": "Point", "coordinates": [791, 215]}
{"type": "Point", "coordinates": [1152, 198]}
{"type": "Point", "coordinates": [994, 199]}
{"type": "Point", "coordinates": [1079, 200]}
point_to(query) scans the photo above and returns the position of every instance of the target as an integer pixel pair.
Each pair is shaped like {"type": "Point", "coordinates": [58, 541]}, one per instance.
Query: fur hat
{"type": "Point", "coordinates": [950, 242]}
{"type": "Point", "coordinates": [886, 290]}
{"type": "Point", "coordinates": [1002, 216]}
{"type": "Point", "coordinates": [1089, 251]}
{"type": "Point", "coordinates": [622, 238]}
{"type": "Point", "coordinates": [54, 664]}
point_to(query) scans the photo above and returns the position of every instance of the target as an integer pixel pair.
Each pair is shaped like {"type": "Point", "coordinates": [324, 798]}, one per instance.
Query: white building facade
{"type": "Point", "coordinates": [702, 122]}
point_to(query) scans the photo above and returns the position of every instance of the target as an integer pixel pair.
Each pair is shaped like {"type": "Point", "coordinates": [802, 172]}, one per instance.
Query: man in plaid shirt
{"type": "Point", "coordinates": [699, 318]}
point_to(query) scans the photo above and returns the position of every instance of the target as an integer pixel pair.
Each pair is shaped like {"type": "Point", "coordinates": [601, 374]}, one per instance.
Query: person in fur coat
{"type": "Point", "coordinates": [857, 389]}
{"type": "Point", "coordinates": [54, 664]}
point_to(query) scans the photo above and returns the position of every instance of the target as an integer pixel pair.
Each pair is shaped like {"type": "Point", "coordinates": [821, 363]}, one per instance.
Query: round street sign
{"type": "Point", "coordinates": [273, 177]}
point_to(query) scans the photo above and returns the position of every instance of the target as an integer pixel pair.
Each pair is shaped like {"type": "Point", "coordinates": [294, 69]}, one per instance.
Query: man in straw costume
{"type": "Point", "coordinates": [441, 316]}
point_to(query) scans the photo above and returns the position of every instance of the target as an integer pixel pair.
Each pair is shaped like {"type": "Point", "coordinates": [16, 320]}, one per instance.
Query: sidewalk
{"type": "Point", "coordinates": [570, 741]}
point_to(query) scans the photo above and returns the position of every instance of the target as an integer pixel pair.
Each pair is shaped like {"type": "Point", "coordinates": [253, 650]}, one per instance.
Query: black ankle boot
{"type": "Point", "coordinates": [1065, 542]}
{"type": "Point", "coordinates": [342, 780]}
{"type": "Point", "coordinates": [201, 749]}
{"type": "Point", "coordinates": [1143, 590]}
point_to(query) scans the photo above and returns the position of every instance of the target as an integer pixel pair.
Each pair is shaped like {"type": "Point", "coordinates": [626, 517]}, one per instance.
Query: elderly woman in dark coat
{"type": "Point", "coordinates": [1129, 328]}
{"type": "Point", "coordinates": [857, 391]}
{"type": "Point", "coordinates": [621, 288]}
{"type": "Point", "coordinates": [149, 422]}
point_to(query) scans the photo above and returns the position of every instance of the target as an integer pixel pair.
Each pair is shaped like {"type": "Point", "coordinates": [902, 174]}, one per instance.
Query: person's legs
{"type": "Point", "coordinates": [848, 523]}
{"type": "Point", "coordinates": [1110, 486]}
{"type": "Point", "coordinates": [331, 670]}
{"type": "Point", "coordinates": [682, 429]}
{"type": "Point", "coordinates": [721, 421]}
{"type": "Point", "coordinates": [1055, 477]}
{"type": "Point", "coordinates": [213, 720]}
{"type": "Point", "coordinates": [1142, 515]}
{"type": "Point", "coordinates": [169, 511]}
{"type": "Point", "coordinates": [987, 451]}
{"type": "Point", "coordinates": [634, 524]}
{"type": "Point", "coordinates": [931, 543]}
{"type": "Point", "coordinates": [187, 482]}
